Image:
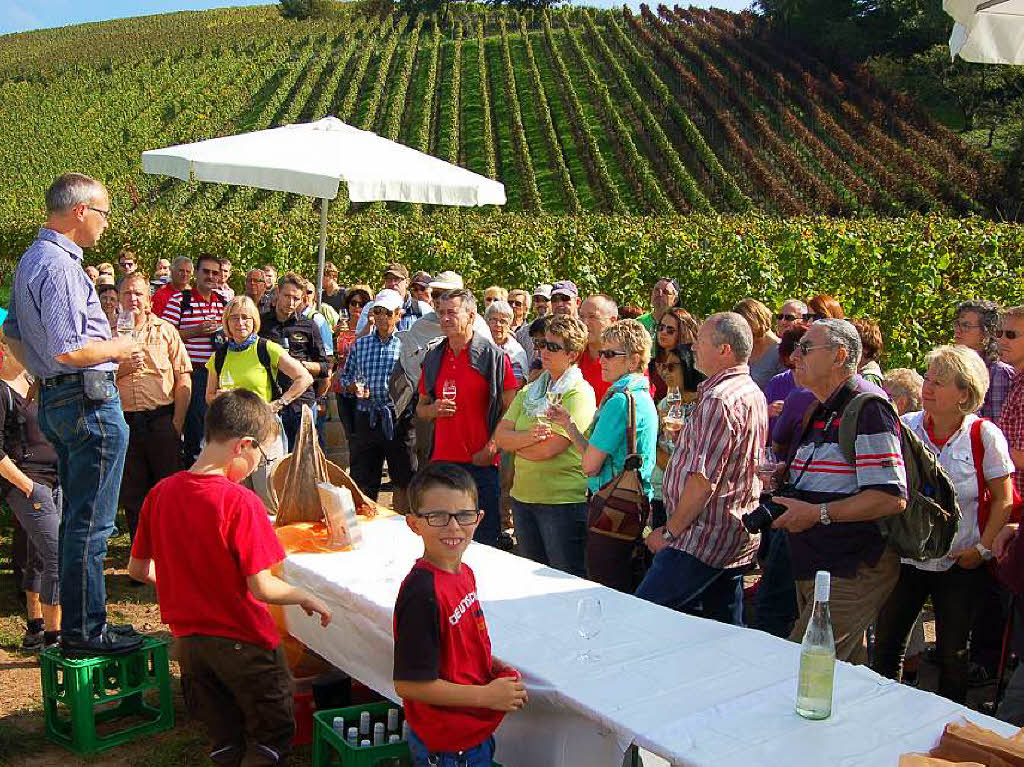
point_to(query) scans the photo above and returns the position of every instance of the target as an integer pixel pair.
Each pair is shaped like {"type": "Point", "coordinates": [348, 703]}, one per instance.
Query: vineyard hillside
{"type": "Point", "coordinates": [665, 111]}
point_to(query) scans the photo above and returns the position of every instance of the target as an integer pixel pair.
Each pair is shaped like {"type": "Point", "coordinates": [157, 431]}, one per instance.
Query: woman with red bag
{"type": "Point", "coordinates": [975, 455]}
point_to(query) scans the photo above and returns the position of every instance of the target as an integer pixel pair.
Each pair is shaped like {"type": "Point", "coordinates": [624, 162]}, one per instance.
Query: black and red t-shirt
{"type": "Point", "coordinates": [440, 633]}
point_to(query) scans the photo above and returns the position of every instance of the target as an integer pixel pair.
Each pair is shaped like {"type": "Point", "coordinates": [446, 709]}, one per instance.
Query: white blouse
{"type": "Point", "coordinates": [958, 461]}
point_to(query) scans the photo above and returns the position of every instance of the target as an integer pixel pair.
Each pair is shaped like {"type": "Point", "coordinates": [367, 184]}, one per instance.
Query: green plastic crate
{"type": "Point", "coordinates": [332, 750]}
{"type": "Point", "coordinates": [80, 694]}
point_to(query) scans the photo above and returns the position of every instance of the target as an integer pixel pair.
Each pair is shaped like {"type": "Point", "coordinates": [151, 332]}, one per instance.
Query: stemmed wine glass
{"type": "Point", "coordinates": [767, 465]}
{"type": "Point", "coordinates": [589, 617]}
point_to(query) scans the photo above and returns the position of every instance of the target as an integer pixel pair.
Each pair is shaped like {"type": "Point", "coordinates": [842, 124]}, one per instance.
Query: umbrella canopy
{"type": "Point", "coordinates": [313, 158]}
{"type": "Point", "coordinates": [987, 31]}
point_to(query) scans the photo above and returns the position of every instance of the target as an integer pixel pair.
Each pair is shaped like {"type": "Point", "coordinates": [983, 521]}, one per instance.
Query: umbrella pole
{"type": "Point", "coordinates": [323, 251]}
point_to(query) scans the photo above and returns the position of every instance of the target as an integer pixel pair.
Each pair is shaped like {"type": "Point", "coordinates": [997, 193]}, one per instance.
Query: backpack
{"type": "Point", "coordinates": [186, 301]}
{"type": "Point", "coordinates": [928, 525]}
{"type": "Point", "coordinates": [264, 357]}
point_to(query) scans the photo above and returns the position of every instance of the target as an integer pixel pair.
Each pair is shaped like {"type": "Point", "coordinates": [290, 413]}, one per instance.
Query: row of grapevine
{"type": "Point", "coordinates": [492, 163]}
{"type": "Point", "coordinates": [523, 160]}
{"type": "Point", "coordinates": [455, 98]}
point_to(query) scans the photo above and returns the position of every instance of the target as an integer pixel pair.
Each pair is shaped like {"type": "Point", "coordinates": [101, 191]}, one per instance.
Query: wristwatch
{"type": "Point", "coordinates": [667, 534]}
{"type": "Point", "coordinates": [986, 554]}
{"type": "Point", "coordinates": [823, 515]}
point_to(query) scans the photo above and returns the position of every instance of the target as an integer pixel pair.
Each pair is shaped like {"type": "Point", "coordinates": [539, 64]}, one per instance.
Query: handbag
{"type": "Point", "coordinates": [984, 496]}
{"type": "Point", "coordinates": [616, 517]}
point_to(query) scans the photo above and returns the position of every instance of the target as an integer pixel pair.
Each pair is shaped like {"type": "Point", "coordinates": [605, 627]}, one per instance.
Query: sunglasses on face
{"type": "Point", "coordinates": [1012, 335]}
{"type": "Point", "coordinates": [551, 346]}
{"type": "Point", "coordinates": [560, 299]}
{"type": "Point", "coordinates": [668, 365]}
{"type": "Point", "coordinates": [790, 317]}
{"type": "Point", "coordinates": [380, 311]}
{"type": "Point", "coordinates": [610, 354]}
{"type": "Point", "coordinates": [814, 317]}
{"type": "Point", "coordinates": [444, 518]}
{"type": "Point", "coordinates": [663, 328]}
{"type": "Point", "coordinates": [516, 304]}
{"type": "Point", "coordinates": [805, 347]}
{"type": "Point", "coordinates": [356, 304]}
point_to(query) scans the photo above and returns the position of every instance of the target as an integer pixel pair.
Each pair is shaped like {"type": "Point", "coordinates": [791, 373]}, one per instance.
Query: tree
{"type": "Point", "coordinates": [305, 9]}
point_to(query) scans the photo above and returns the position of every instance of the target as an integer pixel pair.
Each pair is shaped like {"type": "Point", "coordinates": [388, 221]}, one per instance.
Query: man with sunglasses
{"type": "Point", "coordinates": [565, 298]}
{"type": "Point", "coordinates": [1011, 420]}
{"type": "Point", "coordinates": [793, 313]}
{"type": "Point", "coordinates": [57, 330]}
{"type": "Point", "coordinates": [380, 432]}
{"type": "Point", "coordinates": [832, 525]}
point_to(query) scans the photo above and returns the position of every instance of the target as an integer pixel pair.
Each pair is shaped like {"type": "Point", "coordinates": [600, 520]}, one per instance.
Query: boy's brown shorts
{"type": "Point", "coordinates": [243, 694]}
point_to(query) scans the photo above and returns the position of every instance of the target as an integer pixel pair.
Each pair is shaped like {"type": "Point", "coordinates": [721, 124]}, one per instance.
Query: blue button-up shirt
{"type": "Point", "coordinates": [53, 307]}
{"type": "Point", "coordinates": [375, 359]}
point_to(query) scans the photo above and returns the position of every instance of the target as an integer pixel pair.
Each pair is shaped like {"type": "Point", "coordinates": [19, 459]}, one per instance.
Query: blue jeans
{"type": "Point", "coordinates": [488, 487]}
{"type": "Point", "coordinates": [776, 596]}
{"type": "Point", "coordinates": [681, 581]}
{"type": "Point", "coordinates": [478, 756]}
{"type": "Point", "coordinates": [195, 418]}
{"type": "Point", "coordinates": [552, 534]}
{"type": "Point", "coordinates": [91, 439]}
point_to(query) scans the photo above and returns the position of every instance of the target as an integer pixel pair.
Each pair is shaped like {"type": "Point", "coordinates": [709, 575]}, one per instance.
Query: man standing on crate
{"type": "Point", "coordinates": [56, 328]}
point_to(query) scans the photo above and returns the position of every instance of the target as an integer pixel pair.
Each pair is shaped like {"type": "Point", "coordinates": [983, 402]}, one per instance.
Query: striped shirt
{"type": "Point", "coordinates": [199, 348]}
{"type": "Point", "coordinates": [1000, 379]}
{"type": "Point", "coordinates": [1011, 421]}
{"type": "Point", "coordinates": [821, 474]}
{"type": "Point", "coordinates": [53, 307]}
{"type": "Point", "coordinates": [719, 440]}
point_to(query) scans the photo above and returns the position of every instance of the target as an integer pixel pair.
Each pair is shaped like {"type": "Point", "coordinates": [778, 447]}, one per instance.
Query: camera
{"type": "Point", "coordinates": [760, 519]}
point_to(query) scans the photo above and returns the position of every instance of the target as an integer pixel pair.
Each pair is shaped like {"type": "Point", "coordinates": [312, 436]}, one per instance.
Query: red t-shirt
{"type": "Point", "coordinates": [163, 294]}
{"type": "Point", "coordinates": [440, 633]}
{"type": "Point", "coordinates": [206, 535]}
{"type": "Point", "coordinates": [457, 437]}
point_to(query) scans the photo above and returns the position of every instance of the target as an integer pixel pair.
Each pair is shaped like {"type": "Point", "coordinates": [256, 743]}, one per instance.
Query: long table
{"type": "Point", "coordinates": [690, 690]}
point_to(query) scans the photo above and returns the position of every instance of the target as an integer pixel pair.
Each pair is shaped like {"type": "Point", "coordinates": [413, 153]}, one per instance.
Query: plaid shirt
{"type": "Point", "coordinates": [719, 440]}
{"type": "Point", "coordinates": [1011, 421]}
{"type": "Point", "coordinates": [1000, 378]}
{"type": "Point", "coordinates": [375, 359]}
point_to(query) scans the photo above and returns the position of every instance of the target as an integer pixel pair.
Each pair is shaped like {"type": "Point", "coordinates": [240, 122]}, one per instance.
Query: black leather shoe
{"type": "Point", "coordinates": [109, 642]}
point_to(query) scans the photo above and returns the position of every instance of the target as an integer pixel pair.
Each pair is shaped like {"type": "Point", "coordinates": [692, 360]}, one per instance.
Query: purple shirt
{"type": "Point", "coordinates": [54, 308]}
{"type": "Point", "coordinates": [778, 389]}
{"type": "Point", "coordinates": [1000, 377]}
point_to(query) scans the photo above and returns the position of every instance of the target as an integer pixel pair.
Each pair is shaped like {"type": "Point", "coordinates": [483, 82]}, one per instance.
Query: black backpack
{"type": "Point", "coordinates": [927, 526]}
{"type": "Point", "coordinates": [264, 357]}
{"type": "Point", "coordinates": [186, 302]}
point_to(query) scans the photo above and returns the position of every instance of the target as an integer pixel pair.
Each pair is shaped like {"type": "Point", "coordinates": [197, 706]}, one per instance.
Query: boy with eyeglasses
{"type": "Point", "coordinates": [455, 694]}
{"type": "Point", "coordinates": [207, 542]}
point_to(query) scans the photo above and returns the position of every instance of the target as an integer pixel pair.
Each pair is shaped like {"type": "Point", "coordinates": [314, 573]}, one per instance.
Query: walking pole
{"type": "Point", "coordinates": [1004, 655]}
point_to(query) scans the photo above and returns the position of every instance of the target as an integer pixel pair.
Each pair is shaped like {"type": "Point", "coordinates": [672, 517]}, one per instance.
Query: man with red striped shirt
{"type": "Point", "coordinates": [832, 527]}
{"type": "Point", "coordinates": [197, 314]}
{"type": "Point", "coordinates": [703, 549]}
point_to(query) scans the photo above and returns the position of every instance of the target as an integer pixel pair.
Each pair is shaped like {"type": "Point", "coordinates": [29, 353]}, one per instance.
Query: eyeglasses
{"type": "Point", "coordinates": [805, 347]}
{"type": "Point", "coordinates": [790, 317]}
{"type": "Point", "coordinates": [961, 325]}
{"type": "Point", "coordinates": [104, 213]}
{"type": "Point", "coordinates": [551, 346]}
{"type": "Point", "coordinates": [516, 304]}
{"type": "Point", "coordinates": [814, 317]}
{"type": "Point", "coordinates": [668, 365]}
{"type": "Point", "coordinates": [610, 354]}
{"type": "Point", "coordinates": [380, 310]}
{"type": "Point", "coordinates": [663, 328]}
{"type": "Point", "coordinates": [256, 444]}
{"type": "Point", "coordinates": [465, 517]}
{"type": "Point", "coordinates": [1012, 335]}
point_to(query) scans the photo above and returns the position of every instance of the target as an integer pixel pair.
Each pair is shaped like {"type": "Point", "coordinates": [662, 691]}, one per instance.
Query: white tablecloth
{"type": "Point", "coordinates": [691, 690]}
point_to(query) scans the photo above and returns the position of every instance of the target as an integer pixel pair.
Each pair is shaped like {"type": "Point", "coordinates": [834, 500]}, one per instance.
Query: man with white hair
{"type": "Point", "coordinates": [181, 279]}
{"type": "Point", "coordinates": [58, 331]}
{"type": "Point", "coordinates": [833, 524]}
{"type": "Point", "coordinates": [703, 549]}
{"type": "Point", "coordinates": [598, 312]}
{"type": "Point", "coordinates": [792, 313]}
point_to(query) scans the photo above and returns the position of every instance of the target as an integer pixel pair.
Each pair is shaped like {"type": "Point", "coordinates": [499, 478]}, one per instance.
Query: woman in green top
{"type": "Point", "coordinates": [549, 492]}
{"type": "Point", "coordinates": [242, 368]}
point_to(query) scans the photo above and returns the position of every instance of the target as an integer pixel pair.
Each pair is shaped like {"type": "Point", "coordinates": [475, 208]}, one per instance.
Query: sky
{"type": "Point", "coordinates": [22, 15]}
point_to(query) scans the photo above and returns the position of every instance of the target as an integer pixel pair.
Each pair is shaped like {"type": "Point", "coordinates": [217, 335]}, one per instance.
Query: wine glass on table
{"type": "Point", "coordinates": [589, 617]}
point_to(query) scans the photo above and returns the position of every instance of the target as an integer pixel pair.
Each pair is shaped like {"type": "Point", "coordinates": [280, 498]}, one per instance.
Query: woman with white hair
{"type": "Point", "coordinates": [954, 388]}
{"type": "Point", "coordinates": [499, 318]}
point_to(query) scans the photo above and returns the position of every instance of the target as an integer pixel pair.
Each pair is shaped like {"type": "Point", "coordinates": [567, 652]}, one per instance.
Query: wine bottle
{"type": "Point", "coordinates": [817, 657]}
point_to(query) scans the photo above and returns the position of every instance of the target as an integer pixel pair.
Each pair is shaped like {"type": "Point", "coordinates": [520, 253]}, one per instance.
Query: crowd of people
{"type": "Point", "coordinates": [552, 403]}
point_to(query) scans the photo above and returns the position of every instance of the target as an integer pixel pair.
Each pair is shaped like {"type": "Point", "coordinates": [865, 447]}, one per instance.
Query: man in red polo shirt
{"type": "Point", "coordinates": [598, 312]}
{"type": "Point", "coordinates": [466, 386]}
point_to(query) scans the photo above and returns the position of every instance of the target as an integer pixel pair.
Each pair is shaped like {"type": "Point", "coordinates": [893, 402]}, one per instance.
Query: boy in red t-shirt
{"type": "Point", "coordinates": [455, 694]}
{"type": "Point", "coordinates": [206, 542]}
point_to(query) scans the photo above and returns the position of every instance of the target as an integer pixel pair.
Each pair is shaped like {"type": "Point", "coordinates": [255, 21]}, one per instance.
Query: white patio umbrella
{"type": "Point", "coordinates": [987, 31]}
{"type": "Point", "coordinates": [314, 158]}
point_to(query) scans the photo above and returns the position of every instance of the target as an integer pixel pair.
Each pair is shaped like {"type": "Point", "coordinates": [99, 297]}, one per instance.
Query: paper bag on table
{"type": "Point", "coordinates": [340, 513]}
{"type": "Point", "coordinates": [299, 500]}
{"type": "Point", "coordinates": [923, 760]}
{"type": "Point", "coordinates": [964, 741]}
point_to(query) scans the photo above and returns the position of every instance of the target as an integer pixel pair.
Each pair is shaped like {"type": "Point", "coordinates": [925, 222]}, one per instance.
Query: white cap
{"type": "Point", "coordinates": [447, 281]}
{"type": "Point", "coordinates": [389, 299]}
{"type": "Point", "coordinates": [822, 585]}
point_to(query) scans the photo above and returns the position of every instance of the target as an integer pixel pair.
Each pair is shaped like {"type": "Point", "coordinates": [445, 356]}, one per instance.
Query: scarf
{"type": "Point", "coordinates": [535, 397]}
{"type": "Point", "coordinates": [242, 345]}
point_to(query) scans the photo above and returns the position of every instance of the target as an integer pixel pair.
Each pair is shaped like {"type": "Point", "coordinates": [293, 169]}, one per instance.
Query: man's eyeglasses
{"type": "Point", "coordinates": [256, 444]}
{"type": "Point", "coordinates": [104, 213]}
{"type": "Point", "coordinates": [805, 347]}
{"type": "Point", "coordinates": [444, 518]}
{"type": "Point", "coordinates": [610, 354]}
{"type": "Point", "coordinates": [663, 328]}
{"type": "Point", "coordinates": [551, 346]}
{"type": "Point", "coordinates": [560, 299]}
{"type": "Point", "coordinates": [1012, 335]}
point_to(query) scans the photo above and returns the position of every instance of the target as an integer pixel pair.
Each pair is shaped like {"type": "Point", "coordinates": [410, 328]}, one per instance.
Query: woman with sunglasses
{"type": "Point", "coordinates": [604, 447]}
{"type": "Point", "coordinates": [676, 326]}
{"type": "Point", "coordinates": [549, 490]}
{"type": "Point", "coordinates": [357, 297]}
{"type": "Point", "coordinates": [975, 326]}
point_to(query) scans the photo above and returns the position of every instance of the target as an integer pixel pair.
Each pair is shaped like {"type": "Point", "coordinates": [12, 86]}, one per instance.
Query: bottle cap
{"type": "Point", "coordinates": [822, 583]}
